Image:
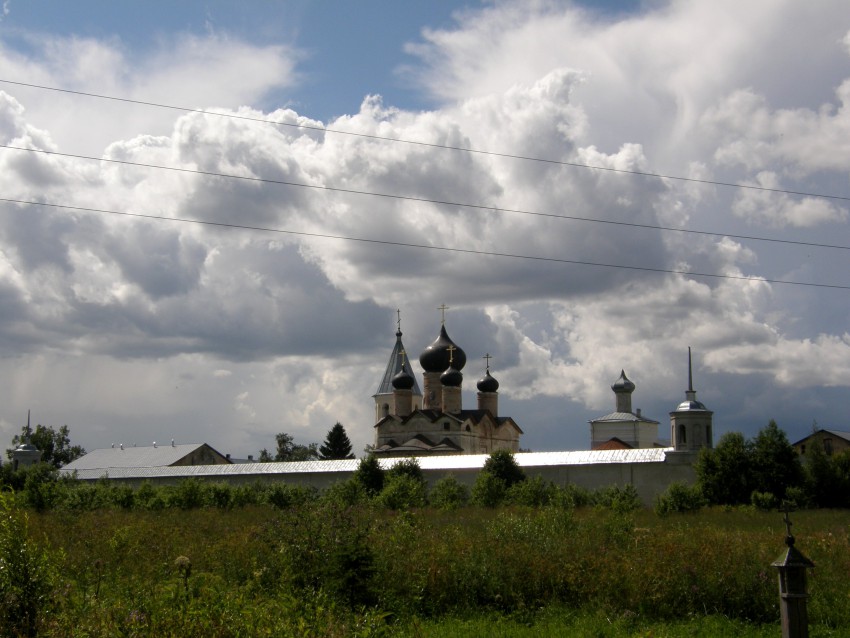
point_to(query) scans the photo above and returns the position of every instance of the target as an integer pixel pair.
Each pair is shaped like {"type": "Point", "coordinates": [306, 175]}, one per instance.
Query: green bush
{"type": "Point", "coordinates": [327, 548]}
{"type": "Point", "coordinates": [220, 495]}
{"type": "Point", "coordinates": [148, 497]}
{"type": "Point", "coordinates": [448, 493]}
{"type": "Point", "coordinates": [188, 494]}
{"type": "Point", "coordinates": [488, 490]}
{"type": "Point", "coordinates": [285, 496]}
{"type": "Point", "coordinates": [27, 574]}
{"type": "Point", "coordinates": [618, 499]}
{"type": "Point", "coordinates": [503, 465]}
{"type": "Point", "coordinates": [570, 496]}
{"type": "Point", "coordinates": [533, 492]}
{"type": "Point", "coordinates": [370, 474]}
{"type": "Point", "coordinates": [401, 492]}
{"type": "Point", "coordinates": [406, 467]}
{"type": "Point", "coordinates": [679, 497]}
{"type": "Point", "coordinates": [346, 493]}
{"type": "Point", "coordinates": [40, 486]}
{"type": "Point", "coordinates": [764, 500]}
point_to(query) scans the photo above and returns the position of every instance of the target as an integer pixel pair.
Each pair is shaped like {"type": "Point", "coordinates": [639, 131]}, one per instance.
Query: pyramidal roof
{"type": "Point", "coordinates": [394, 367]}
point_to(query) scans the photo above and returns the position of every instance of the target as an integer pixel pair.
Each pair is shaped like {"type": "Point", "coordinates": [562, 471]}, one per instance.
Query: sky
{"type": "Point", "coordinates": [218, 254]}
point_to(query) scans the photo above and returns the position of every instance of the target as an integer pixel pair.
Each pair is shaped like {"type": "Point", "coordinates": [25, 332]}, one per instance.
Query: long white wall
{"type": "Point", "coordinates": [649, 471]}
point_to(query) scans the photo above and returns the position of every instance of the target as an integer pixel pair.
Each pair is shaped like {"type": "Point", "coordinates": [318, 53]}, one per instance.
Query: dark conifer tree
{"type": "Point", "coordinates": [337, 445]}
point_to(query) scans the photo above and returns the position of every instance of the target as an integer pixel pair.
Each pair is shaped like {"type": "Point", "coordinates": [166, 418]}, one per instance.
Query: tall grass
{"type": "Point", "coordinates": [323, 567]}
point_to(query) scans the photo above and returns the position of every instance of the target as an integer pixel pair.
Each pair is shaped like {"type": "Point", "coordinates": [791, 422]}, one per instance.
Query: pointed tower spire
{"type": "Point", "coordinates": [690, 393]}
{"type": "Point", "coordinates": [690, 372]}
{"type": "Point", "coordinates": [384, 395]}
{"type": "Point", "coordinates": [691, 422]}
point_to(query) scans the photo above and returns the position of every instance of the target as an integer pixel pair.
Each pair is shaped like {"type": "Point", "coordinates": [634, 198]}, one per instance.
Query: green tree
{"type": "Point", "coordinates": [503, 465]}
{"type": "Point", "coordinates": [370, 474]}
{"type": "Point", "coordinates": [407, 467]}
{"type": "Point", "coordinates": [775, 463]}
{"type": "Point", "coordinates": [724, 474]}
{"type": "Point", "coordinates": [289, 450]}
{"type": "Point", "coordinates": [55, 445]}
{"type": "Point", "coordinates": [826, 478]}
{"type": "Point", "coordinates": [337, 444]}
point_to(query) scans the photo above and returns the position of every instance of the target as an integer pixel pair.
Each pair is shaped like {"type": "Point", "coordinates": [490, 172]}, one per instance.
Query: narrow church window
{"type": "Point", "coordinates": [467, 429]}
{"type": "Point", "coordinates": [386, 409]}
{"type": "Point", "coordinates": [446, 425]}
{"type": "Point", "coordinates": [682, 435]}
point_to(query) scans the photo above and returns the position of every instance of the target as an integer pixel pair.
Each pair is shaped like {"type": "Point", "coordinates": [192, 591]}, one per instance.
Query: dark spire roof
{"type": "Point", "coordinates": [394, 366]}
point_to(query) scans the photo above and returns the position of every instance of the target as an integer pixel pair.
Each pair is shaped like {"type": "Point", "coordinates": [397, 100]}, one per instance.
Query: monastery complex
{"type": "Point", "coordinates": [432, 424]}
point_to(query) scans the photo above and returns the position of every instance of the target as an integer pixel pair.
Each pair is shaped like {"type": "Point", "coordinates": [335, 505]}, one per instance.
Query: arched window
{"type": "Point", "coordinates": [385, 409]}
{"type": "Point", "coordinates": [683, 438]}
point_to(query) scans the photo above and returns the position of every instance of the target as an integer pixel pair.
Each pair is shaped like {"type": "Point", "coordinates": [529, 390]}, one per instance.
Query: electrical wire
{"type": "Point", "coordinates": [321, 129]}
{"type": "Point", "coordinates": [351, 191]}
{"type": "Point", "coordinates": [385, 242]}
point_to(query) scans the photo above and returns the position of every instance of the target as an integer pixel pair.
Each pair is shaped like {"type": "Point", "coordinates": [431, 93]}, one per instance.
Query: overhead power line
{"type": "Point", "coordinates": [488, 207]}
{"type": "Point", "coordinates": [321, 129]}
{"type": "Point", "coordinates": [385, 242]}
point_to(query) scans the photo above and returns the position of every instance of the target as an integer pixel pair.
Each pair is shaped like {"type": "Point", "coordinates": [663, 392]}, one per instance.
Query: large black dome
{"type": "Point", "coordinates": [435, 358]}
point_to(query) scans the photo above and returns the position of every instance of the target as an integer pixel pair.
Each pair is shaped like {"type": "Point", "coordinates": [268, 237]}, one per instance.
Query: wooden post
{"type": "Point", "coordinates": [792, 566]}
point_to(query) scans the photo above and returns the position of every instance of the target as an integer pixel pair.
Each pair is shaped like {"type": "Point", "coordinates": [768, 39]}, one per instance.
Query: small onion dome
{"type": "Point", "coordinates": [451, 377]}
{"type": "Point", "coordinates": [487, 383]}
{"type": "Point", "coordinates": [403, 380]}
{"type": "Point", "coordinates": [623, 384]}
{"type": "Point", "coordinates": [435, 358]}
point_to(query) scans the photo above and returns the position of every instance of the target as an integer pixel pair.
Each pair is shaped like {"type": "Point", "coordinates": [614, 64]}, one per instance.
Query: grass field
{"type": "Point", "coordinates": [321, 569]}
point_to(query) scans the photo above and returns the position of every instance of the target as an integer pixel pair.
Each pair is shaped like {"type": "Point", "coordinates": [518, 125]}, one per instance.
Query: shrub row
{"type": "Point", "coordinates": [401, 487]}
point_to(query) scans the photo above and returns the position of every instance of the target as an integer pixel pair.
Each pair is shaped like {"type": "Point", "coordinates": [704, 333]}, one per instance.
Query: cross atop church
{"type": "Point", "coordinates": [401, 354]}
{"type": "Point", "coordinates": [487, 358]}
{"type": "Point", "coordinates": [442, 308]}
{"type": "Point", "coordinates": [451, 350]}
{"type": "Point", "coordinates": [398, 321]}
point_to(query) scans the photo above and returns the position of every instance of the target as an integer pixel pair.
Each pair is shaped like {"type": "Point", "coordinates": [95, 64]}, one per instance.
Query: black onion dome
{"type": "Point", "coordinates": [623, 384]}
{"type": "Point", "coordinates": [403, 380]}
{"type": "Point", "coordinates": [487, 383]}
{"type": "Point", "coordinates": [435, 358]}
{"type": "Point", "coordinates": [451, 377]}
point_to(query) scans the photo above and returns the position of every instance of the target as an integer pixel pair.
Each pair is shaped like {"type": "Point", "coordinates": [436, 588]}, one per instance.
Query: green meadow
{"type": "Point", "coordinates": [311, 565]}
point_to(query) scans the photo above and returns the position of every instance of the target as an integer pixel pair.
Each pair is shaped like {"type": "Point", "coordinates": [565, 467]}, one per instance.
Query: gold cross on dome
{"type": "Point", "coordinates": [451, 350]}
{"type": "Point", "coordinates": [401, 354]}
{"type": "Point", "coordinates": [442, 308]}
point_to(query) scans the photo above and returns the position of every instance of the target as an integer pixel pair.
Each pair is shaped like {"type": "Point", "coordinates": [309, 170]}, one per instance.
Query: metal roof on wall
{"type": "Point", "coordinates": [455, 462]}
